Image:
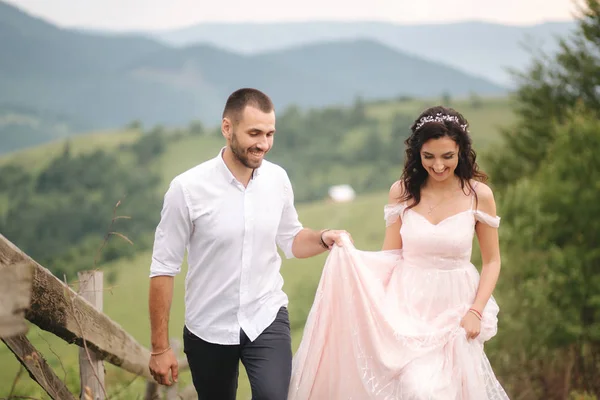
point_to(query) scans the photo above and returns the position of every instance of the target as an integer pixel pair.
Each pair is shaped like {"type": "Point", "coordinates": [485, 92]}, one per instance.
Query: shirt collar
{"type": "Point", "coordinates": [227, 173]}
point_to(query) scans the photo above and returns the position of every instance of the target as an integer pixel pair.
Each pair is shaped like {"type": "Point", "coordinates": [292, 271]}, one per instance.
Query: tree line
{"type": "Point", "coordinates": [547, 184]}
{"type": "Point", "coordinates": [61, 214]}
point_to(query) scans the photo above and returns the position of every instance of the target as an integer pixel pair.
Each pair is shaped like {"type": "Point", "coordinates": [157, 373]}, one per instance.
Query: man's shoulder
{"type": "Point", "coordinates": [192, 174]}
{"type": "Point", "coordinates": [270, 167]}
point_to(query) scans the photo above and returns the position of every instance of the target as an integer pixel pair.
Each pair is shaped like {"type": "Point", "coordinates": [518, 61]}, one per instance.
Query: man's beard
{"type": "Point", "coordinates": [242, 155]}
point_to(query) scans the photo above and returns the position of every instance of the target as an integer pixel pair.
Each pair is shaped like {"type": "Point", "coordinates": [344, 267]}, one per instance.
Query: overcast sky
{"type": "Point", "coordinates": [167, 14]}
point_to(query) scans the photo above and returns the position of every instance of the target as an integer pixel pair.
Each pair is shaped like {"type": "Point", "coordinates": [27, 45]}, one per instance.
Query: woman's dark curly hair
{"type": "Point", "coordinates": [434, 123]}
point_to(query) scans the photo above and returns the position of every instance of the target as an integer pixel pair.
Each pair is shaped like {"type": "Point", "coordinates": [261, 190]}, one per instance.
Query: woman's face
{"type": "Point", "coordinates": [439, 157]}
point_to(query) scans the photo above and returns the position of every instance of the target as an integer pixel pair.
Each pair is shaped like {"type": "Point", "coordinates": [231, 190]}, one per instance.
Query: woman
{"type": "Point", "coordinates": [409, 322]}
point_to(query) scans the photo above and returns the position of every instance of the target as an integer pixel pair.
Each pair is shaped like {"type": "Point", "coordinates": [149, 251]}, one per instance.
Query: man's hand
{"type": "Point", "coordinates": [163, 367]}
{"type": "Point", "coordinates": [331, 237]}
{"type": "Point", "coordinates": [310, 242]}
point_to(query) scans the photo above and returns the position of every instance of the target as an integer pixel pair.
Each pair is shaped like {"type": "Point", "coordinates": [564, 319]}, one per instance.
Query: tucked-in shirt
{"type": "Point", "coordinates": [231, 234]}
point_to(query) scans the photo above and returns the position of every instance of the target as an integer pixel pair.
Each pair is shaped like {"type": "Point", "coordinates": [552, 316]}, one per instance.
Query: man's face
{"type": "Point", "coordinates": [252, 137]}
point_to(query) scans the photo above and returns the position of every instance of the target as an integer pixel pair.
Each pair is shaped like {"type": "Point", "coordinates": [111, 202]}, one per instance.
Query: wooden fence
{"type": "Point", "coordinates": [29, 292]}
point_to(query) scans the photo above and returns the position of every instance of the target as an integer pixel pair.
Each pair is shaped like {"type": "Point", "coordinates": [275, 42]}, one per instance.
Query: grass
{"type": "Point", "coordinates": [38, 157]}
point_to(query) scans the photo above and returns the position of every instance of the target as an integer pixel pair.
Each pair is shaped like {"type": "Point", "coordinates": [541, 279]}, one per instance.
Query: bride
{"type": "Point", "coordinates": [410, 322]}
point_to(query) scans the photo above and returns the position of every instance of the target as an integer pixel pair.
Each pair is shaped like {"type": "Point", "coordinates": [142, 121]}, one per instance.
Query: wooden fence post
{"type": "Point", "coordinates": [152, 391]}
{"type": "Point", "coordinates": [15, 298]}
{"type": "Point", "coordinates": [91, 370]}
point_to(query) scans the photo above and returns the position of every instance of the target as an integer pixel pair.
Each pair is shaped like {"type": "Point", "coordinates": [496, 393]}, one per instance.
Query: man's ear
{"type": "Point", "coordinates": [226, 128]}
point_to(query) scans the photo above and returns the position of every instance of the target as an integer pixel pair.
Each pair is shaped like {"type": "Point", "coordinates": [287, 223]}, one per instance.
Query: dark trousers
{"type": "Point", "coordinates": [268, 363]}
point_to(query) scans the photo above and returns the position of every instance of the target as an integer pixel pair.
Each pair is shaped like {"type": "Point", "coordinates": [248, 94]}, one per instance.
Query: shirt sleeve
{"type": "Point", "coordinates": [172, 233]}
{"type": "Point", "coordinates": [289, 225]}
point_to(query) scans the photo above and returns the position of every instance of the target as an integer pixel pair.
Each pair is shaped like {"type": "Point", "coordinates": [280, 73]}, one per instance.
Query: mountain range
{"type": "Point", "coordinates": [102, 80]}
{"type": "Point", "coordinates": [479, 48]}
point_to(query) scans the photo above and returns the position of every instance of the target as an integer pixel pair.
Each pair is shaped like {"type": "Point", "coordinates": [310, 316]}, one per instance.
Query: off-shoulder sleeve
{"type": "Point", "coordinates": [481, 216]}
{"type": "Point", "coordinates": [392, 212]}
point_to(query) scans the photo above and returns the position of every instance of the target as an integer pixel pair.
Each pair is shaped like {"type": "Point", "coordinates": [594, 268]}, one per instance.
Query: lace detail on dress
{"type": "Point", "coordinates": [481, 216]}
{"type": "Point", "coordinates": [391, 212]}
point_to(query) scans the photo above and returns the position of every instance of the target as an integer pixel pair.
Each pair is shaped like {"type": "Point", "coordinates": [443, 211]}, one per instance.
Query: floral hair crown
{"type": "Point", "coordinates": [439, 117]}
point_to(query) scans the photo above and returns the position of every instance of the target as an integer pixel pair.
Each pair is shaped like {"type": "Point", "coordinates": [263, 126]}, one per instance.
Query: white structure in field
{"type": "Point", "coordinates": [341, 193]}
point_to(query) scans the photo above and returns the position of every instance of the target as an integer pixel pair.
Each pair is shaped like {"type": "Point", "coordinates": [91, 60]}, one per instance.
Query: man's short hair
{"type": "Point", "coordinates": [238, 100]}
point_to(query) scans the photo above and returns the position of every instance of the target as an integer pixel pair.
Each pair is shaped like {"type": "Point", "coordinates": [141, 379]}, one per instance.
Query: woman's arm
{"type": "Point", "coordinates": [490, 248]}
{"type": "Point", "coordinates": [392, 239]}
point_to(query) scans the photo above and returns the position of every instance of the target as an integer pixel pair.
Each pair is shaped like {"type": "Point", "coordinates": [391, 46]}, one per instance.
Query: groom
{"type": "Point", "coordinates": [231, 213]}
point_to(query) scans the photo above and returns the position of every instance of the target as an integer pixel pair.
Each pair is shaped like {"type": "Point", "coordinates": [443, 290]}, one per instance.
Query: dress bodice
{"type": "Point", "coordinates": [445, 245]}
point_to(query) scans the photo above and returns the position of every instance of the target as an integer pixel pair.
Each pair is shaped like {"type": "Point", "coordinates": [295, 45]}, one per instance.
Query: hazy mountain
{"type": "Point", "coordinates": [104, 81]}
{"type": "Point", "coordinates": [481, 49]}
{"type": "Point", "coordinates": [23, 127]}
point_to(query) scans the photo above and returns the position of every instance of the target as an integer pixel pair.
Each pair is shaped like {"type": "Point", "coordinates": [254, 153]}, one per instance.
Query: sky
{"type": "Point", "coordinates": [127, 15]}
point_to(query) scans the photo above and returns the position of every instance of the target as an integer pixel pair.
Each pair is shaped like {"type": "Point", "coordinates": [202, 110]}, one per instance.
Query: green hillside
{"type": "Point", "coordinates": [485, 115]}
{"type": "Point", "coordinates": [179, 155]}
{"type": "Point", "coordinates": [39, 156]}
{"type": "Point", "coordinates": [22, 127]}
{"type": "Point", "coordinates": [485, 119]}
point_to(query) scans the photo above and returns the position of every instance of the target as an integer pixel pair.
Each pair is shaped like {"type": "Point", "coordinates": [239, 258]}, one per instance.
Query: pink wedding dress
{"type": "Point", "coordinates": [386, 324]}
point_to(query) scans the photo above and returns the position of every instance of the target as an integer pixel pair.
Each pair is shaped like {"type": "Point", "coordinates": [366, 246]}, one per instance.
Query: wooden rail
{"type": "Point", "coordinates": [31, 292]}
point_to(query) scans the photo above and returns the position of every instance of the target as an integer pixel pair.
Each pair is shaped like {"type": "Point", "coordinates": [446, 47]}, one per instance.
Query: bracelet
{"type": "Point", "coordinates": [322, 241]}
{"type": "Point", "coordinates": [477, 313]}
{"type": "Point", "coordinates": [158, 353]}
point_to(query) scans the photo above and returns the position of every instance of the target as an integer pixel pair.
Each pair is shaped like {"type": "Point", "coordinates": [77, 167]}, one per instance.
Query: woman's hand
{"type": "Point", "coordinates": [472, 324]}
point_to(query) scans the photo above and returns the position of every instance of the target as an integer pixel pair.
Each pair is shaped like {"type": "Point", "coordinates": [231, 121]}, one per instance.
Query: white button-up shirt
{"type": "Point", "coordinates": [231, 235]}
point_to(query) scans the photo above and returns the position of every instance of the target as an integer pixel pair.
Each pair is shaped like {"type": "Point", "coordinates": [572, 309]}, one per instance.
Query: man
{"type": "Point", "coordinates": [231, 213]}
